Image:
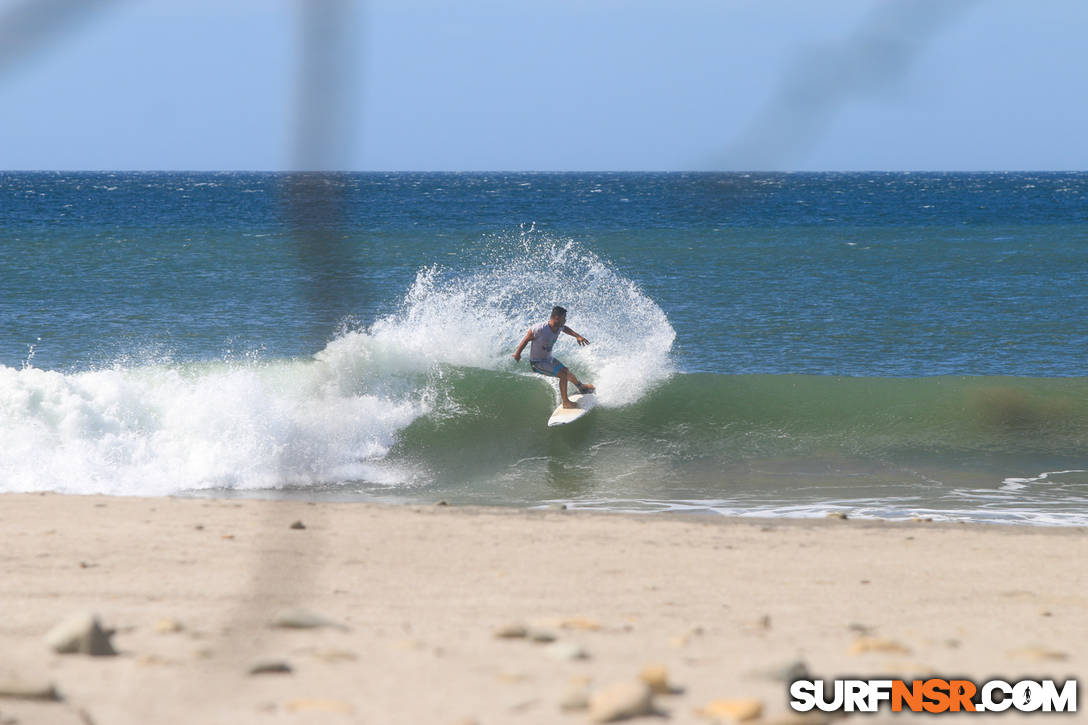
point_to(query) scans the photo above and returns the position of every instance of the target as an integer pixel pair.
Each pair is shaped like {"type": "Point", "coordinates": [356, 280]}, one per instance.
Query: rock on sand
{"type": "Point", "coordinates": [621, 701]}
{"type": "Point", "coordinates": [80, 633]}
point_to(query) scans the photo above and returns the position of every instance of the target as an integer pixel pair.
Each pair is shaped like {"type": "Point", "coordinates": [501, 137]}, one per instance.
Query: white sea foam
{"type": "Point", "coordinates": [886, 511]}
{"type": "Point", "coordinates": [1016, 484]}
{"type": "Point", "coordinates": [162, 429]}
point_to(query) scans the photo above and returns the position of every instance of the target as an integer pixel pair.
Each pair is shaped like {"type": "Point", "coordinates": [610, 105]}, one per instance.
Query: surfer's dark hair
{"type": "Point", "coordinates": [558, 311]}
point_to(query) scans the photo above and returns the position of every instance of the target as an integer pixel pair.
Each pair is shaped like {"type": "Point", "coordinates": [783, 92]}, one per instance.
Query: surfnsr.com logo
{"type": "Point", "coordinates": [934, 695]}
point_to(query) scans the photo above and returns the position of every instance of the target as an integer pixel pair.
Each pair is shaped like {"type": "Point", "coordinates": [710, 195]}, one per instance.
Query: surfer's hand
{"type": "Point", "coordinates": [517, 357]}
{"type": "Point", "coordinates": [582, 341]}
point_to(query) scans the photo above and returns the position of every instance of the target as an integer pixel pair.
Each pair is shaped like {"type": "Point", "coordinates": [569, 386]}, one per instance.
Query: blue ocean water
{"type": "Point", "coordinates": [891, 344]}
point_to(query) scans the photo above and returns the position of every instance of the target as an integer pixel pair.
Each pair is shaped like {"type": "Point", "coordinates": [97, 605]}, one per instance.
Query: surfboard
{"type": "Point", "coordinates": [562, 415]}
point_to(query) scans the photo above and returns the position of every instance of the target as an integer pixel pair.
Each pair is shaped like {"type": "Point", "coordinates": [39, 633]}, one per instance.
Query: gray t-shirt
{"type": "Point", "coordinates": [543, 339]}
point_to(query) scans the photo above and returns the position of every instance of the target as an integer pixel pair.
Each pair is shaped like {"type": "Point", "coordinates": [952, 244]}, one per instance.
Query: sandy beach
{"type": "Point", "coordinates": [410, 601]}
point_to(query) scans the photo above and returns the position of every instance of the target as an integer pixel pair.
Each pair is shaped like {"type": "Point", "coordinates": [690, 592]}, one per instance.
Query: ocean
{"type": "Point", "coordinates": [888, 345]}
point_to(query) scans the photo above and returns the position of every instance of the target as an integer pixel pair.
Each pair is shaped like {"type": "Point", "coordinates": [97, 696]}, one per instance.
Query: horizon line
{"type": "Point", "coordinates": [535, 171]}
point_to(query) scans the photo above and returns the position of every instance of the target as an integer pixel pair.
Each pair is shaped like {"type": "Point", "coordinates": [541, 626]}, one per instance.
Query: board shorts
{"type": "Point", "coordinates": [548, 367]}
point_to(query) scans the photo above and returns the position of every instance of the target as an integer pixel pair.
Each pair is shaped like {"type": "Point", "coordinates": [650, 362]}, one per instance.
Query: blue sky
{"type": "Point", "coordinates": [557, 85]}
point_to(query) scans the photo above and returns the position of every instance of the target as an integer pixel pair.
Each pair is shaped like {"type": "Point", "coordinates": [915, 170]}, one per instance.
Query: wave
{"type": "Point", "coordinates": [875, 416]}
{"type": "Point", "coordinates": [166, 428]}
{"type": "Point", "coordinates": [715, 423]}
{"type": "Point", "coordinates": [992, 449]}
{"type": "Point", "coordinates": [972, 447]}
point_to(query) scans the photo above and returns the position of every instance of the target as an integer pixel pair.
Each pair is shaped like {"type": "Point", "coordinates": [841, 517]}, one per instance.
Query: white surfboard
{"type": "Point", "coordinates": [562, 415]}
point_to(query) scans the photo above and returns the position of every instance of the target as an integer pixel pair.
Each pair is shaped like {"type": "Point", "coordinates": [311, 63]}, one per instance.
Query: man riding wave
{"type": "Point", "coordinates": [543, 337]}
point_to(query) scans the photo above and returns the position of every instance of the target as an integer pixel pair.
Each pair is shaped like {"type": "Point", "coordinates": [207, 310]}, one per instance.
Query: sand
{"type": "Point", "coordinates": [416, 594]}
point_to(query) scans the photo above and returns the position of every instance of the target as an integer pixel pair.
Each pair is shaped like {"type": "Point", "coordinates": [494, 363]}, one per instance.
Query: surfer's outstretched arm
{"type": "Point", "coordinates": [581, 340]}
{"type": "Point", "coordinates": [521, 346]}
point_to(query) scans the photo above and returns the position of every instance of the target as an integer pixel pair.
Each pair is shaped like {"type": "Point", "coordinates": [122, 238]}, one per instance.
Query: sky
{"type": "Point", "coordinates": [558, 85]}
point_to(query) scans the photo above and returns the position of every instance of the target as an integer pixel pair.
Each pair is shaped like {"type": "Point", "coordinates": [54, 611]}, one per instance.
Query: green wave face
{"type": "Point", "coordinates": [701, 436]}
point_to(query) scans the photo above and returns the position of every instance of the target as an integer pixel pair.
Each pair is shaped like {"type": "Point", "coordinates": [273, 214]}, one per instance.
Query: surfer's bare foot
{"type": "Point", "coordinates": [568, 404]}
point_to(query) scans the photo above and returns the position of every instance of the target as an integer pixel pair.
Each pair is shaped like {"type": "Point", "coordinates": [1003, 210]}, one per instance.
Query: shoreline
{"type": "Point", "coordinates": [827, 511]}
{"type": "Point", "coordinates": [416, 593]}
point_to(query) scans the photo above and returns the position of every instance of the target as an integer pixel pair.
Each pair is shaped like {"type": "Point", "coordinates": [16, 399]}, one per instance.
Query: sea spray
{"type": "Point", "coordinates": [476, 318]}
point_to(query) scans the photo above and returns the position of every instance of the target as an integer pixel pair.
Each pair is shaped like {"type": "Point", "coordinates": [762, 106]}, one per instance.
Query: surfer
{"type": "Point", "coordinates": [543, 336]}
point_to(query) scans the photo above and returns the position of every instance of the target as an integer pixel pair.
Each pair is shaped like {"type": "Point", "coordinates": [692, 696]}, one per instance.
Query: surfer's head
{"type": "Point", "coordinates": [559, 313]}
